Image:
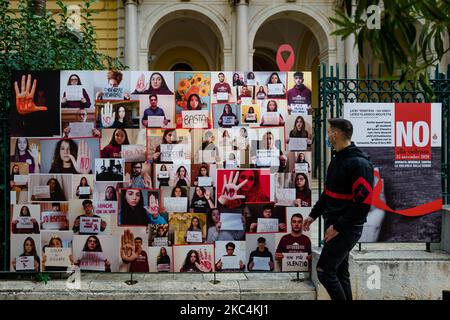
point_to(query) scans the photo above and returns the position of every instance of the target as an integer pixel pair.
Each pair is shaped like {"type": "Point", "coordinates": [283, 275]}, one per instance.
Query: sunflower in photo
{"type": "Point", "coordinates": [204, 91]}
{"type": "Point", "coordinates": [183, 85]}
{"type": "Point", "coordinates": [198, 79]}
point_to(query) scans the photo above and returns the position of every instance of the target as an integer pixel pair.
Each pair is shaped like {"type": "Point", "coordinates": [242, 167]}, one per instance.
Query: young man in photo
{"type": "Point", "coordinates": [222, 87]}
{"type": "Point", "coordinates": [295, 242]}
{"type": "Point", "coordinates": [344, 205]}
{"type": "Point", "coordinates": [229, 247]}
{"type": "Point", "coordinates": [153, 111]}
{"type": "Point", "coordinates": [262, 252]}
{"type": "Point", "coordinates": [132, 253]}
{"type": "Point", "coordinates": [299, 93]}
{"type": "Point", "coordinates": [88, 212]}
{"type": "Point", "coordinates": [137, 179]}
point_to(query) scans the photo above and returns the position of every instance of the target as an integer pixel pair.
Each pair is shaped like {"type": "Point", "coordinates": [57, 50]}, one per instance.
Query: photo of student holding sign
{"type": "Point", "coordinates": [195, 233]}
{"type": "Point", "coordinates": [276, 88]}
{"type": "Point", "coordinates": [55, 242]}
{"type": "Point", "coordinates": [31, 262]}
{"type": "Point", "coordinates": [299, 96]}
{"type": "Point", "coordinates": [93, 245]}
{"type": "Point", "coordinates": [84, 190]}
{"type": "Point", "coordinates": [18, 181]}
{"type": "Point", "coordinates": [131, 208]}
{"type": "Point", "coordinates": [113, 91]}
{"type": "Point", "coordinates": [163, 176]}
{"type": "Point", "coordinates": [169, 137]}
{"type": "Point", "coordinates": [302, 190]}
{"type": "Point", "coordinates": [203, 179]}
{"type": "Point", "coordinates": [24, 152]}
{"type": "Point", "coordinates": [267, 222]}
{"type": "Point", "coordinates": [154, 116]}
{"type": "Point", "coordinates": [251, 116]}
{"type": "Point", "coordinates": [79, 128]}
{"type": "Point", "coordinates": [114, 147]}
{"type": "Point", "coordinates": [75, 95]}
{"type": "Point", "coordinates": [181, 177]}
{"type": "Point", "coordinates": [229, 247]}
{"type": "Point", "coordinates": [54, 216]}
{"type": "Point", "coordinates": [163, 261]}
{"type": "Point", "coordinates": [153, 209]}
{"type": "Point", "coordinates": [267, 154]}
{"type": "Point", "coordinates": [132, 253]}
{"type": "Point", "coordinates": [233, 226]}
{"type": "Point", "coordinates": [201, 200]}
{"type": "Point", "coordinates": [84, 224]}
{"type": "Point", "coordinates": [228, 119]}
{"type": "Point", "coordinates": [261, 252]}
{"type": "Point", "coordinates": [32, 226]}
{"type": "Point", "coordinates": [272, 117]}
{"type": "Point", "coordinates": [222, 90]}
{"type": "Point", "coordinates": [69, 157]}
{"type": "Point", "coordinates": [246, 96]}
{"type": "Point", "coordinates": [299, 136]}
{"type": "Point", "coordinates": [55, 192]}
{"type": "Point", "coordinates": [294, 243]}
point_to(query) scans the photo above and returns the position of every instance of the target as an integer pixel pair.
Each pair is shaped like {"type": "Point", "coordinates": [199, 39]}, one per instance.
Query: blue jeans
{"type": "Point", "coordinates": [332, 267]}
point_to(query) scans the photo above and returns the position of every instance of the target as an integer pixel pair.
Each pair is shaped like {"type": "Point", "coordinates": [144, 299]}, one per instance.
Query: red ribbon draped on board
{"type": "Point", "coordinates": [420, 210]}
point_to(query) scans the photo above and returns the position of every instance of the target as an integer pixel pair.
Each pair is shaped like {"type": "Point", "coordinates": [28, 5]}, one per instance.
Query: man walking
{"type": "Point", "coordinates": [344, 204]}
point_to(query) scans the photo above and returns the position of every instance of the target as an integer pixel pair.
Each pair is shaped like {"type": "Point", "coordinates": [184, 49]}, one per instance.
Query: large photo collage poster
{"type": "Point", "coordinates": [143, 171]}
{"type": "Point", "coordinates": [403, 141]}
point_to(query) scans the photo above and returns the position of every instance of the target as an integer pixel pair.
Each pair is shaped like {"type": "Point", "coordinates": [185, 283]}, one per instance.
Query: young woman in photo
{"type": "Point", "coordinates": [93, 244]}
{"type": "Point", "coordinates": [23, 152]}
{"type": "Point", "coordinates": [201, 200]}
{"type": "Point", "coordinates": [299, 130]}
{"type": "Point", "coordinates": [251, 111]}
{"type": "Point", "coordinates": [178, 192]}
{"type": "Point", "coordinates": [158, 85]}
{"type": "Point", "coordinates": [169, 137]}
{"type": "Point", "coordinates": [196, 225]}
{"type": "Point", "coordinates": [194, 102]}
{"type": "Point", "coordinates": [110, 194]}
{"type": "Point", "coordinates": [29, 250]}
{"type": "Point", "coordinates": [132, 211]}
{"type": "Point", "coordinates": [153, 209]}
{"type": "Point", "coordinates": [163, 181]}
{"type": "Point", "coordinates": [191, 262]}
{"type": "Point", "coordinates": [24, 212]}
{"type": "Point", "coordinates": [237, 80]}
{"type": "Point", "coordinates": [301, 159]}
{"type": "Point", "coordinates": [56, 192]}
{"type": "Point", "coordinates": [83, 183]}
{"type": "Point", "coordinates": [272, 106]}
{"type": "Point", "coordinates": [202, 172]}
{"type": "Point", "coordinates": [55, 242]}
{"type": "Point", "coordinates": [114, 80]}
{"type": "Point", "coordinates": [302, 191]}
{"type": "Point", "coordinates": [122, 119]}
{"type": "Point", "coordinates": [114, 147]}
{"type": "Point", "coordinates": [65, 157]}
{"type": "Point", "coordinates": [275, 79]}
{"type": "Point", "coordinates": [162, 259]}
{"type": "Point", "coordinates": [227, 112]}
{"type": "Point", "coordinates": [84, 102]}
{"type": "Point", "coordinates": [181, 177]}
{"type": "Point", "coordinates": [261, 94]}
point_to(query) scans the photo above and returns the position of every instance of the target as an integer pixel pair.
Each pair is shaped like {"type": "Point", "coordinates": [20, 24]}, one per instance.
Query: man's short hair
{"type": "Point", "coordinates": [343, 125]}
{"type": "Point", "coordinates": [221, 73]}
{"type": "Point", "coordinates": [85, 202]}
{"type": "Point", "coordinates": [152, 95]}
{"type": "Point", "coordinates": [230, 244]}
{"type": "Point", "coordinates": [138, 238]}
{"type": "Point", "coordinates": [261, 240]}
{"type": "Point", "coordinates": [298, 74]}
{"type": "Point", "coordinates": [296, 215]}
{"type": "Point", "coordinates": [267, 207]}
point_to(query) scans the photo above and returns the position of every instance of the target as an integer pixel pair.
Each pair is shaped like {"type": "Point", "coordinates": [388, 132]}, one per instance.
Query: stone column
{"type": "Point", "coordinates": [351, 52]}
{"type": "Point", "coordinates": [242, 45]}
{"type": "Point", "coordinates": [131, 33]}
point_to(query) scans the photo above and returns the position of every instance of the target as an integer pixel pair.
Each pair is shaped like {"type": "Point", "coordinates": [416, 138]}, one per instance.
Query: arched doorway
{"type": "Point", "coordinates": [185, 39]}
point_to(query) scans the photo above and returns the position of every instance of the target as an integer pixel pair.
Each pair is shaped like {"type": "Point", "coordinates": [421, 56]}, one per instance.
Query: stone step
{"type": "Point", "coordinates": [239, 286]}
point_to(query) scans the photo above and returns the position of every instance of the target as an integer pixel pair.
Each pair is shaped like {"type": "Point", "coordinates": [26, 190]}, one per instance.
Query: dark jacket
{"type": "Point", "coordinates": [347, 196]}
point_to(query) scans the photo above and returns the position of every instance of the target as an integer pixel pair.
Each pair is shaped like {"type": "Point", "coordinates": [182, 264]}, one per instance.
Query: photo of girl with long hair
{"type": "Point", "coordinates": [56, 190]}
{"type": "Point", "coordinates": [28, 249]}
{"type": "Point", "coordinates": [86, 260]}
{"type": "Point", "coordinates": [302, 190]}
{"type": "Point", "coordinates": [131, 208]}
{"type": "Point", "coordinates": [114, 147]}
{"type": "Point", "coordinates": [16, 228]}
{"type": "Point", "coordinates": [26, 152]}
{"type": "Point", "coordinates": [77, 97]}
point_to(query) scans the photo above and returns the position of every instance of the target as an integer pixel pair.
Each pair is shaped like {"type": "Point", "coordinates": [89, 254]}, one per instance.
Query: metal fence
{"type": "Point", "coordinates": [337, 88]}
